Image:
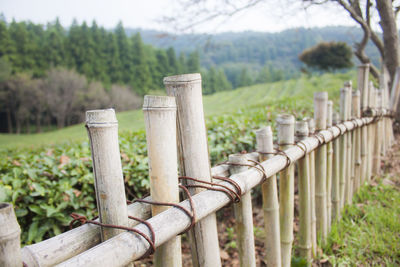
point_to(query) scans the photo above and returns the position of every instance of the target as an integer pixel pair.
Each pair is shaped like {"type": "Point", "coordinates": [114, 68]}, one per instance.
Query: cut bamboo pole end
{"type": "Point", "coordinates": [243, 217]}
{"type": "Point", "coordinates": [304, 197]}
{"type": "Point", "coordinates": [10, 253]}
{"type": "Point", "coordinates": [269, 191]}
{"type": "Point", "coordinates": [102, 127]}
{"type": "Point", "coordinates": [194, 160]}
{"type": "Point", "coordinates": [160, 121]}
{"type": "Point", "coordinates": [320, 117]}
{"type": "Point", "coordinates": [285, 124]}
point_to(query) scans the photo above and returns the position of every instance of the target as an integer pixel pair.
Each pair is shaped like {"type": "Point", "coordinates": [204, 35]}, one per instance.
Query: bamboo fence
{"type": "Point", "coordinates": [333, 161]}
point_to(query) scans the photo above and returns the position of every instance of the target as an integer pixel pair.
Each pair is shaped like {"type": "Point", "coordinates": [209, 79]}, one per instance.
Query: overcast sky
{"type": "Point", "coordinates": [147, 13]}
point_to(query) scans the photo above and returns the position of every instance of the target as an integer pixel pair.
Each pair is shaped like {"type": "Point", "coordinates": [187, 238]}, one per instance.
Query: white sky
{"type": "Point", "coordinates": [268, 17]}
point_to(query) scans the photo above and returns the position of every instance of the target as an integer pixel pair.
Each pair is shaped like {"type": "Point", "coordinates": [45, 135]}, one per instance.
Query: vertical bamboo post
{"type": "Point", "coordinates": [269, 191]}
{"type": "Point", "coordinates": [383, 85]}
{"type": "Point", "coordinates": [311, 129]}
{"type": "Point", "coordinates": [320, 112]}
{"type": "Point", "coordinates": [376, 165]}
{"type": "Point", "coordinates": [363, 86]}
{"type": "Point", "coordinates": [335, 175]}
{"type": "Point", "coordinates": [160, 120]}
{"type": "Point", "coordinates": [102, 127]}
{"type": "Point", "coordinates": [357, 141]}
{"type": "Point", "coordinates": [10, 244]}
{"type": "Point", "coordinates": [304, 196]}
{"type": "Point", "coordinates": [343, 146]}
{"type": "Point", "coordinates": [371, 131]}
{"type": "Point", "coordinates": [243, 217]}
{"type": "Point", "coordinates": [329, 165]}
{"type": "Point", "coordinates": [194, 161]}
{"type": "Point", "coordinates": [286, 188]}
{"type": "Point", "coordinates": [349, 158]}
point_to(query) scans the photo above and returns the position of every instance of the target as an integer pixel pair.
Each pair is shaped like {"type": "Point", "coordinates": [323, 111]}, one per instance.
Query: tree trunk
{"type": "Point", "coordinates": [390, 36]}
{"type": "Point", "coordinates": [9, 121]}
{"type": "Point", "coordinates": [38, 123]}
{"type": "Point", "coordinates": [18, 125]}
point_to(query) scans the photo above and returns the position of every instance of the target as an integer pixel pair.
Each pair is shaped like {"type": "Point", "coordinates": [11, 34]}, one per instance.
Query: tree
{"type": "Point", "coordinates": [328, 56]}
{"type": "Point", "coordinates": [62, 87]}
{"type": "Point", "coordinates": [201, 11]}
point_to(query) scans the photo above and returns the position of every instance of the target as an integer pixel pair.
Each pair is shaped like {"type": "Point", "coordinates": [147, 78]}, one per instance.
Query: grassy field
{"type": "Point", "coordinates": [299, 91]}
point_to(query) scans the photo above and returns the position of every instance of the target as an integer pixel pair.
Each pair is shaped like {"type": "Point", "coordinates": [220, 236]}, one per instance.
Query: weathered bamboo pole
{"type": "Point", "coordinates": [160, 121]}
{"type": "Point", "coordinates": [376, 165]}
{"type": "Point", "coordinates": [194, 160]}
{"type": "Point", "coordinates": [357, 141]}
{"type": "Point", "coordinates": [269, 191]}
{"type": "Point", "coordinates": [82, 238]}
{"type": "Point", "coordinates": [349, 158]}
{"type": "Point", "coordinates": [329, 163]}
{"type": "Point", "coordinates": [10, 244]}
{"type": "Point", "coordinates": [383, 86]}
{"type": "Point", "coordinates": [371, 131]}
{"type": "Point", "coordinates": [127, 247]}
{"type": "Point", "coordinates": [285, 124]}
{"type": "Point", "coordinates": [304, 197]}
{"type": "Point", "coordinates": [102, 127]}
{"type": "Point", "coordinates": [320, 112]}
{"type": "Point", "coordinates": [335, 175]}
{"type": "Point", "coordinates": [311, 129]}
{"type": "Point", "coordinates": [343, 146]}
{"type": "Point", "coordinates": [363, 86]}
{"type": "Point", "coordinates": [243, 212]}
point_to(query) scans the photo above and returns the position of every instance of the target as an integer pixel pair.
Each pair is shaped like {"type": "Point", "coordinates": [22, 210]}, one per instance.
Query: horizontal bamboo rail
{"type": "Point", "coordinates": [82, 238]}
{"type": "Point", "coordinates": [126, 247]}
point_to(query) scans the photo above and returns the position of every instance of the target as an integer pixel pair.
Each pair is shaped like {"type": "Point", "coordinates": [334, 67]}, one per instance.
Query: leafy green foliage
{"type": "Point", "coordinates": [328, 56]}
{"type": "Point", "coordinates": [369, 233]}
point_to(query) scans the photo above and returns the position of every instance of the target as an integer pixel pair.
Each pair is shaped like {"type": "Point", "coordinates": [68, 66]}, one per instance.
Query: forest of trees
{"type": "Point", "coordinates": [57, 74]}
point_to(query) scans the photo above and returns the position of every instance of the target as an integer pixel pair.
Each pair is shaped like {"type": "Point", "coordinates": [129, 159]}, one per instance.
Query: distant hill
{"type": "Point", "coordinates": [254, 49]}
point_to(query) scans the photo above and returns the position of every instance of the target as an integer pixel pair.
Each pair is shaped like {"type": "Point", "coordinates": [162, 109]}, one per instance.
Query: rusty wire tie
{"type": "Point", "coordinates": [190, 214]}
{"type": "Point", "coordinates": [235, 196]}
{"type": "Point", "coordinates": [83, 220]}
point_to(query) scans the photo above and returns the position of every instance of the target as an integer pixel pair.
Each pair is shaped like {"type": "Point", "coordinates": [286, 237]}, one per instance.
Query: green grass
{"type": "Point", "coordinates": [369, 232]}
{"type": "Point", "coordinates": [299, 91]}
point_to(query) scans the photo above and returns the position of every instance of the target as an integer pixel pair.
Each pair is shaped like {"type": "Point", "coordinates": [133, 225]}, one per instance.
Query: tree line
{"type": "Point", "coordinates": [50, 75]}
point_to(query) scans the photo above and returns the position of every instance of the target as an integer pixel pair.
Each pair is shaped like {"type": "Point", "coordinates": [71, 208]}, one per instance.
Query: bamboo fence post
{"type": "Point", "coordinates": [194, 160]}
{"type": "Point", "coordinates": [320, 112]}
{"type": "Point", "coordinates": [10, 244]}
{"type": "Point", "coordinates": [243, 217]}
{"type": "Point", "coordinates": [160, 121]}
{"type": "Point", "coordinates": [371, 132]}
{"type": "Point", "coordinates": [269, 191]}
{"type": "Point", "coordinates": [383, 85]}
{"type": "Point", "coordinates": [357, 142]}
{"type": "Point", "coordinates": [329, 163]}
{"type": "Point", "coordinates": [102, 127]}
{"type": "Point", "coordinates": [335, 174]}
{"type": "Point", "coordinates": [311, 129]}
{"type": "Point", "coordinates": [285, 124]}
{"type": "Point", "coordinates": [343, 146]}
{"type": "Point", "coordinates": [349, 158]}
{"type": "Point", "coordinates": [376, 166]}
{"type": "Point", "coordinates": [363, 86]}
{"type": "Point", "coordinates": [304, 197]}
